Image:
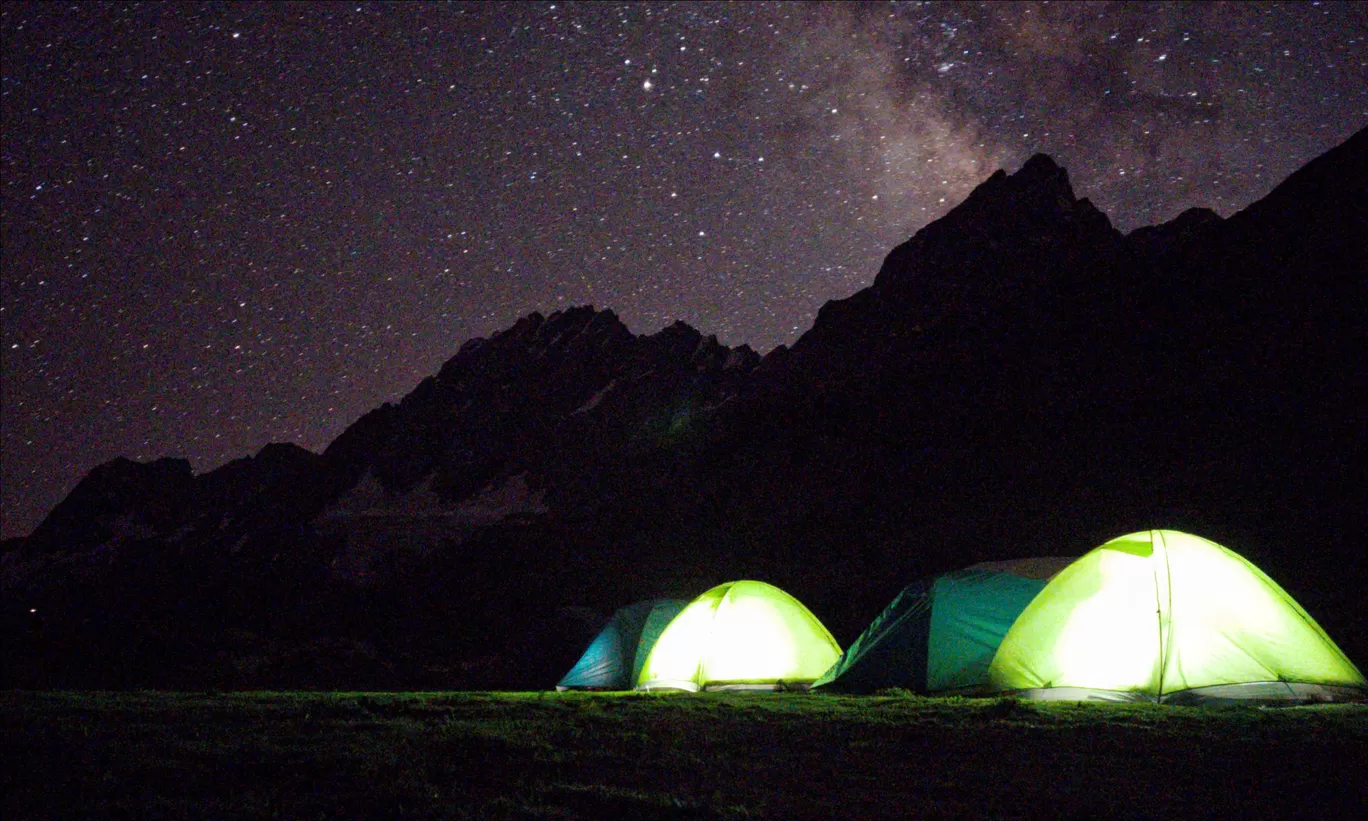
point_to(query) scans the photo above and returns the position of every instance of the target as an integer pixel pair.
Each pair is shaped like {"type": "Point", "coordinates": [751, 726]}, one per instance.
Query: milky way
{"type": "Point", "coordinates": [230, 224]}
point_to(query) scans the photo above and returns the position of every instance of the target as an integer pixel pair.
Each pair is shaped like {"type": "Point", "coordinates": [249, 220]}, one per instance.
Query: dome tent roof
{"type": "Point", "coordinates": [1166, 616]}
{"type": "Point", "coordinates": [741, 635]}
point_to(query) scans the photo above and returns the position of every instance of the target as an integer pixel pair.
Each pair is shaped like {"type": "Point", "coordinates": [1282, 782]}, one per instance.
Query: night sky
{"type": "Point", "coordinates": [231, 224]}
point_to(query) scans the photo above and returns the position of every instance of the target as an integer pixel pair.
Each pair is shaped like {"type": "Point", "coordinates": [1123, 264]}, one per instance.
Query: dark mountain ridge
{"type": "Point", "coordinates": [1020, 379]}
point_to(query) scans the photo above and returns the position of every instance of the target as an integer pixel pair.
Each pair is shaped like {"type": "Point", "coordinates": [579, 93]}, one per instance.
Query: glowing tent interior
{"type": "Point", "coordinates": [939, 634]}
{"type": "Point", "coordinates": [741, 635]}
{"type": "Point", "coordinates": [614, 659]}
{"type": "Point", "coordinates": [1166, 616]}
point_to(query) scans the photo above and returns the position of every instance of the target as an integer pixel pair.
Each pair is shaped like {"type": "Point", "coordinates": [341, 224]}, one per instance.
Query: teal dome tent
{"type": "Point", "coordinates": [615, 657]}
{"type": "Point", "coordinates": [939, 635]}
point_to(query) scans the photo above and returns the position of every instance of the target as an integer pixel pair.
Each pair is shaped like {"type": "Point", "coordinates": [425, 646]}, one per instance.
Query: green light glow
{"type": "Point", "coordinates": [738, 632]}
{"type": "Point", "coordinates": [1160, 612]}
{"type": "Point", "coordinates": [679, 653]}
{"type": "Point", "coordinates": [1106, 636]}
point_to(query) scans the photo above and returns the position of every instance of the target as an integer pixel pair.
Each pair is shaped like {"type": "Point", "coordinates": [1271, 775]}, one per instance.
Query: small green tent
{"type": "Point", "coordinates": [616, 655]}
{"type": "Point", "coordinates": [940, 634]}
{"type": "Point", "coordinates": [741, 635]}
{"type": "Point", "coordinates": [1169, 617]}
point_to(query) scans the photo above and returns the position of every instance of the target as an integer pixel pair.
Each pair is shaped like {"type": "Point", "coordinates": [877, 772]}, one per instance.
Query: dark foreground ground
{"type": "Point", "coordinates": [781, 756]}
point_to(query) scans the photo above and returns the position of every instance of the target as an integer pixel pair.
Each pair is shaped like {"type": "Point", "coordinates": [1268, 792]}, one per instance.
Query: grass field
{"type": "Point", "coordinates": [576, 756]}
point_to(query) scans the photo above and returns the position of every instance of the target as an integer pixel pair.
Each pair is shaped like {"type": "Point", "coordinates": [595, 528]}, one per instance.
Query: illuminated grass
{"type": "Point", "coordinates": [544, 756]}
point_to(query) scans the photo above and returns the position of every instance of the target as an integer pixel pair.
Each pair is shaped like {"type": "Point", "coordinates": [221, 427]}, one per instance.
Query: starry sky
{"type": "Point", "coordinates": [230, 224]}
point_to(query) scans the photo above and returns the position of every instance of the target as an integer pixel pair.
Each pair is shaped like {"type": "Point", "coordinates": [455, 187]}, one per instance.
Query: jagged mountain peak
{"type": "Point", "coordinates": [678, 338]}
{"type": "Point", "coordinates": [1014, 235]}
{"type": "Point", "coordinates": [284, 452]}
{"type": "Point", "coordinates": [678, 328]}
{"type": "Point", "coordinates": [1043, 165]}
{"type": "Point", "coordinates": [1040, 181]}
{"type": "Point", "coordinates": [583, 327]}
{"type": "Point", "coordinates": [1166, 237]}
{"type": "Point", "coordinates": [1007, 213]}
{"type": "Point", "coordinates": [538, 329]}
{"type": "Point", "coordinates": [121, 495]}
{"type": "Point", "coordinates": [536, 334]}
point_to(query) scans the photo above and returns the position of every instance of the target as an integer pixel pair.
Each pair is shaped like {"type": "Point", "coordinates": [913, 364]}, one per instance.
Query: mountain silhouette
{"type": "Point", "coordinates": [1020, 379]}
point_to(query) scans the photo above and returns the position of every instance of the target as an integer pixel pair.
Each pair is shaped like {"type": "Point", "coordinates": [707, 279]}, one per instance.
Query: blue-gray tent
{"type": "Point", "coordinates": [615, 657]}
{"type": "Point", "coordinates": [939, 635]}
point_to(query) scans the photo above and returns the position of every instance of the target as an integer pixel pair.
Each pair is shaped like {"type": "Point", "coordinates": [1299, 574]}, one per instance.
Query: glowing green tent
{"type": "Point", "coordinates": [740, 635]}
{"type": "Point", "coordinates": [940, 634]}
{"type": "Point", "coordinates": [616, 655]}
{"type": "Point", "coordinates": [1166, 616]}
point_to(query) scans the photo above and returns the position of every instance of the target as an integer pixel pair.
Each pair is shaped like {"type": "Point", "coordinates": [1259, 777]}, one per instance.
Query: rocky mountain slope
{"type": "Point", "coordinates": [1020, 379]}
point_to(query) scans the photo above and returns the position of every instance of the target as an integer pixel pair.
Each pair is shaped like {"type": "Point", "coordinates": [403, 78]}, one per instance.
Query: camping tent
{"type": "Point", "coordinates": [616, 655]}
{"type": "Point", "coordinates": [939, 634]}
{"type": "Point", "coordinates": [1166, 616]}
{"type": "Point", "coordinates": [741, 635]}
